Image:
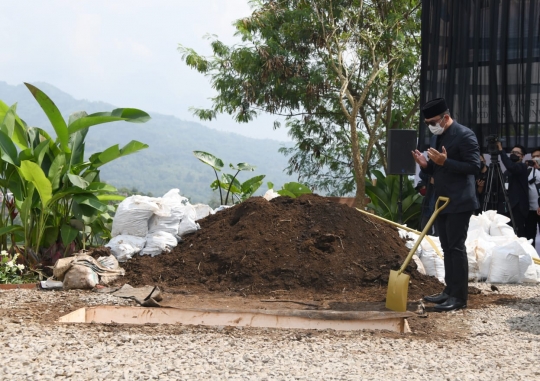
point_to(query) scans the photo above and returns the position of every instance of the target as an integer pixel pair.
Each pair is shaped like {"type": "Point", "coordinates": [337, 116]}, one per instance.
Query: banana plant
{"type": "Point", "coordinates": [384, 197]}
{"type": "Point", "coordinates": [58, 193]}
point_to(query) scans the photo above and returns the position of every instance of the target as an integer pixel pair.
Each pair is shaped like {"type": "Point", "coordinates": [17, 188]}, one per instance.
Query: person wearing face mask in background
{"type": "Point", "coordinates": [454, 161]}
{"type": "Point", "coordinates": [518, 187]}
{"type": "Point", "coordinates": [533, 180]}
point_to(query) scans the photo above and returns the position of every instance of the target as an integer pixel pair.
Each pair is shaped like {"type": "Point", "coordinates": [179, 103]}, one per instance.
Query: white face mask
{"type": "Point", "coordinates": [436, 129]}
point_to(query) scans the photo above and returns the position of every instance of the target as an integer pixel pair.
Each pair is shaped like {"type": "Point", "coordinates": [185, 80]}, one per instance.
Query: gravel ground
{"type": "Point", "coordinates": [499, 342]}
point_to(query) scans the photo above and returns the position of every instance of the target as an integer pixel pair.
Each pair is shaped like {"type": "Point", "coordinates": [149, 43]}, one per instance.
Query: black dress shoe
{"type": "Point", "coordinates": [451, 304]}
{"type": "Point", "coordinates": [437, 298]}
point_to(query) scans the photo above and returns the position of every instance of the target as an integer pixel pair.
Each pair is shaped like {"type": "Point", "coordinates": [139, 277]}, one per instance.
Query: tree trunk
{"type": "Point", "coordinates": [357, 165]}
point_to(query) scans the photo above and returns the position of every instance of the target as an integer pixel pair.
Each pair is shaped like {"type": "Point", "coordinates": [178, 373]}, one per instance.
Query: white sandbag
{"type": "Point", "coordinates": [527, 268]}
{"type": "Point", "coordinates": [270, 194]}
{"type": "Point", "coordinates": [202, 211]}
{"type": "Point", "coordinates": [419, 265]}
{"type": "Point", "coordinates": [504, 266]}
{"type": "Point", "coordinates": [433, 264]}
{"type": "Point", "coordinates": [132, 215]}
{"type": "Point", "coordinates": [501, 229]}
{"type": "Point", "coordinates": [173, 202]}
{"type": "Point", "coordinates": [80, 277]}
{"type": "Point", "coordinates": [479, 223]}
{"type": "Point", "coordinates": [188, 224]}
{"type": "Point", "coordinates": [124, 247]}
{"type": "Point", "coordinates": [159, 242]}
{"type": "Point", "coordinates": [222, 207]}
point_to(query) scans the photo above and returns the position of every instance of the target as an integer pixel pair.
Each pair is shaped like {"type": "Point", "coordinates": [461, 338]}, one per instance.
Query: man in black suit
{"type": "Point", "coordinates": [454, 160]}
{"type": "Point", "coordinates": [518, 187]}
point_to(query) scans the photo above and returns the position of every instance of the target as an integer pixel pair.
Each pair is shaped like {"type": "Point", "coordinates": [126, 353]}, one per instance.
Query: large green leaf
{"type": "Point", "coordinates": [110, 197]}
{"type": "Point", "coordinates": [225, 185]}
{"type": "Point", "coordinates": [18, 133]}
{"type": "Point", "coordinates": [78, 181]}
{"type": "Point", "coordinates": [296, 189]}
{"type": "Point", "coordinates": [54, 115]}
{"type": "Point", "coordinates": [132, 115]}
{"type": "Point", "coordinates": [90, 200]}
{"type": "Point", "coordinates": [242, 167]}
{"type": "Point", "coordinates": [8, 150]}
{"type": "Point", "coordinates": [251, 185]}
{"type": "Point", "coordinates": [40, 151]}
{"type": "Point", "coordinates": [209, 159]}
{"type": "Point", "coordinates": [100, 187]}
{"type": "Point", "coordinates": [34, 174]}
{"type": "Point", "coordinates": [76, 144]}
{"type": "Point", "coordinates": [114, 152]}
{"type": "Point", "coordinates": [68, 234]}
{"type": "Point", "coordinates": [57, 170]}
{"type": "Point", "coordinates": [10, 229]}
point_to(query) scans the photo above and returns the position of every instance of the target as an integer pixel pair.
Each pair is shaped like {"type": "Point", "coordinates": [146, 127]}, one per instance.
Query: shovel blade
{"type": "Point", "coordinates": [398, 287]}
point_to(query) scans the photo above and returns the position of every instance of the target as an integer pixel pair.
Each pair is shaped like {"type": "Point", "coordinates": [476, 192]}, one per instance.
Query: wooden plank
{"type": "Point", "coordinates": [241, 318]}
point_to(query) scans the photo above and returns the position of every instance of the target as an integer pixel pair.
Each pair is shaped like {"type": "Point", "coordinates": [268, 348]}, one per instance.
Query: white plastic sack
{"type": "Point", "coordinates": [202, 211]}
{"type": "Point", "coordinates": [505, 263]}
{"type": "Point", "coordinates": [159, 242]}
{"type": "Point", "coordinates": [124, 247]}
{"type": "Point", "coordinates": [501, 229]}
{"type": "Point", "coordinates": [222, 207]}
{"type": "Point", "coordinates": [433, 264]}
{"type": "Point", "coordinates": [173, 202]}
{"type": "Point", "coordinates": [188, 224]}
{"type": "Point", "coordinates": [270, 194]}
{"type": "Point", "coordinates": [419, 265]}
{"type": "Point", "coordinates": [527, 268]}
{"type": "Point", "coordinates": [132, 216]}
{"type": "Point", "coordinates": [481, 222]}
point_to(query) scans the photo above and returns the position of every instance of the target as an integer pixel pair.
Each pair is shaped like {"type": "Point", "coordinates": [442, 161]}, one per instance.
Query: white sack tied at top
{"type": "Point", "coordinates": [133, 214]}
{"type": "Point", "coordinates": [172, 205]}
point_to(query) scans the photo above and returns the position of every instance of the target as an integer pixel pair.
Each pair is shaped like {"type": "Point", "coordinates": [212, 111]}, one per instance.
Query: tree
{"type": "Point", "coordinates": [334, 68]}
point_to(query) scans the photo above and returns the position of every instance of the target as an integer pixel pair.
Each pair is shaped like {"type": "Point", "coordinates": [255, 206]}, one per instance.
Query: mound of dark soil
{"type": "Point", "coordinates": [259, 247]}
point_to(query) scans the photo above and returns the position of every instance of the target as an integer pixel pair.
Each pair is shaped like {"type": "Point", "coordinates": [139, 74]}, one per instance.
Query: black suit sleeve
{"type": "Point", "coordinates": [518, 168]}
{"type": "Point", "coordinates": [469, 162]}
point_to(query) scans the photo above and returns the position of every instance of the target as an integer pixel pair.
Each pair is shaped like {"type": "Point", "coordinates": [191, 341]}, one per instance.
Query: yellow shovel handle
{"type": "Point", "coordinates": [404, 228]}
{"type": "Point", "coordinates": [424, 232]}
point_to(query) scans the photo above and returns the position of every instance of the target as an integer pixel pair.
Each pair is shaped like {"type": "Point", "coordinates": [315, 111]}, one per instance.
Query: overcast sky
{"type": "Point", "coordinates": [123, 52]}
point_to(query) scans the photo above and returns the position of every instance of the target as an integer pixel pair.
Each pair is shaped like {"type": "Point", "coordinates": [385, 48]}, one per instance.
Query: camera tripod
{"type": "Point", "coordinates": [492, 193]}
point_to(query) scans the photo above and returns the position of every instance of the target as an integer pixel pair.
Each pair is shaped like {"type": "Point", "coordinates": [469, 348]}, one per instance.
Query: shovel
{"type": "Point", "coordinates": [398, 283]}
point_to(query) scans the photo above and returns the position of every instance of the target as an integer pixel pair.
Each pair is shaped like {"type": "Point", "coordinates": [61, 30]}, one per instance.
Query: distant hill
{"type": "Point", "coordinates": [168, 162]}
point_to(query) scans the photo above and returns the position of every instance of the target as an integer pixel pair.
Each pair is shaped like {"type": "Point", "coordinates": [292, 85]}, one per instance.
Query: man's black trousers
{"type": "Point", "coordinates": [453, 233]}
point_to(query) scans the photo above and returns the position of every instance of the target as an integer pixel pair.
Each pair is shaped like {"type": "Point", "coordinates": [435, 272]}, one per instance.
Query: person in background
{"type": "Point", "coordinates": [481, 184]}
{"type": "Point", "coordinates": [533, 219]}
{"type": "Point", "coordinates": [518, 188]}
{"type": "Point", "coordinates": [454, 161]}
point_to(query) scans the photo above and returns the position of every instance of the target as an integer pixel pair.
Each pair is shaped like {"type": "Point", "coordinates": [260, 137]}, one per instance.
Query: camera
{"type": "Point", "coordinates": [492, 147]}
{"type": "Point", "coordinates": [530, 163]}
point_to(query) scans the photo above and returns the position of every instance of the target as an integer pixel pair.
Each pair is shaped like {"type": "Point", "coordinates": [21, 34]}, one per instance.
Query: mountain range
{"type": "Point", "coordinates": [169, 161]}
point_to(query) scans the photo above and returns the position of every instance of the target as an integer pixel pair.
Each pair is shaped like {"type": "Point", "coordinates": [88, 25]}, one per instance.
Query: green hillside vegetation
{"type": "Point", "coordinates": [168, 162]}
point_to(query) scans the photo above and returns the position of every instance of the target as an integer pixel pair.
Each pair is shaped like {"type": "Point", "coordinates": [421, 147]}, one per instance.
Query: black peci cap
{"type": "Point", "coordinates": [434, 107]}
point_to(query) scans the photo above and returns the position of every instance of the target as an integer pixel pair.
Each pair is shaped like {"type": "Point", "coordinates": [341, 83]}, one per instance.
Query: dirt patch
{"type": "Point", "coordinates": [306, 247]}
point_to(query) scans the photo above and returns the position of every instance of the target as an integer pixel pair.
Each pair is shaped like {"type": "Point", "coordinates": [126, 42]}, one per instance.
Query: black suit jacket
{"type": "Point", "coordinates": [455, 179]}
{"type": "Point", "coordinates": [518, 186]}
